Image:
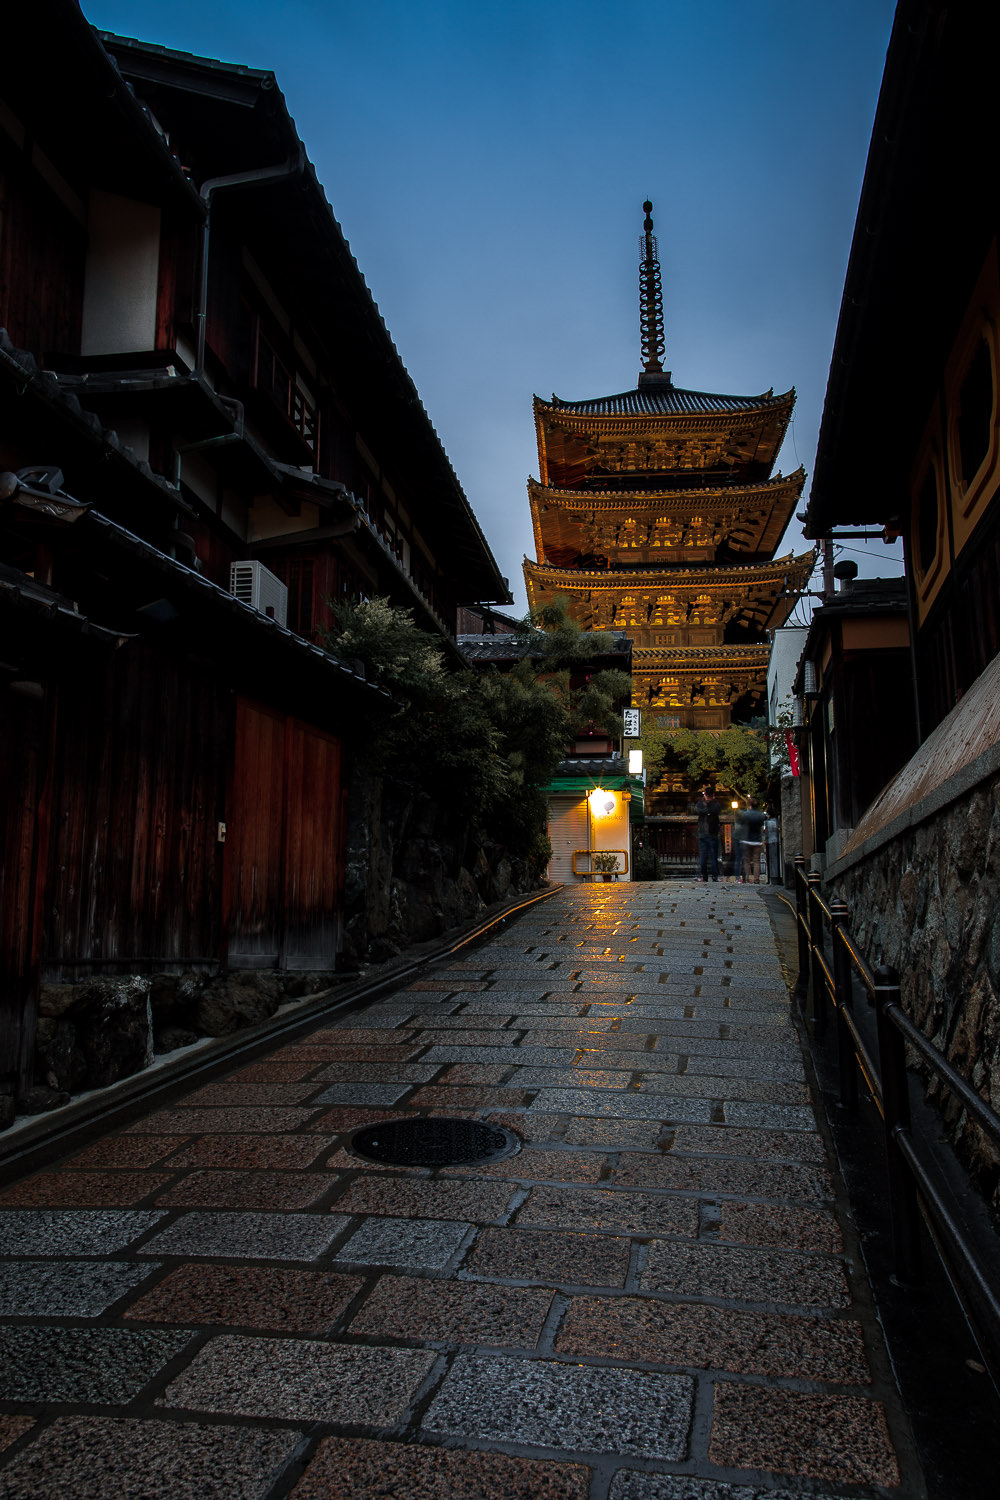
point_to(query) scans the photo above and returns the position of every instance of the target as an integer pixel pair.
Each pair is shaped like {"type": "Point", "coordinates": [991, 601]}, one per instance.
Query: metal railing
{"type": "Point", "coordinates": [916, 1186]}
{"type": "Point", "coordinates": [596, 872]}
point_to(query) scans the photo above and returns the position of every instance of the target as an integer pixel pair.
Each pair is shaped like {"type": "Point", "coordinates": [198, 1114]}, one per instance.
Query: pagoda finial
{"type": "Point", "coordinates": [651, 305]}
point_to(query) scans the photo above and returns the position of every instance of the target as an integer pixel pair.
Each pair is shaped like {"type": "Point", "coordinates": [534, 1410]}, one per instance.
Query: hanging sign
{"type": "Point", "coordinates": [633, 723]}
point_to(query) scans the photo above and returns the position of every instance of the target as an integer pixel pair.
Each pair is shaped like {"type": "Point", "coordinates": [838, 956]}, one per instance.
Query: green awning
{"type": "Point", "coordinates": [587, 783]}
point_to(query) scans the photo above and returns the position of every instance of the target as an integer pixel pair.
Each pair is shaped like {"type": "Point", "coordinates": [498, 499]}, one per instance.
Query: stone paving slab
{"type": "Point", "coordinates": [428, 1244]}
{"type": "Point", "coordinates": [65, 1288]}
{"type": "Point", "coordinates": [563, 1406]}
{"type": "Point", "coordinates": [219, 1121]}
{"type": "Point", "coordinates": [249, 1236]}
{"type": "Point", "coordinates": [68, 1233]}
{"type": "Point", "coordinates": [624, 1106]}
{"type": "Point", "coordinates": [770, 1116]}
{"type": "Point", "coordinates": [707, 1086]}
{"type": "Point", "coordinates": [359, 1468]}
{"type": "Point", "coordinates": [578, 1076]}
{"type": "Point", "coordinates": [617, 1211]}
{"type": "Point", "coordinates": [84, 1189]}
{"type": "Point", "coordinates": [94, 1456]}
{"type": "Point", "coordinates": [705, 1337]}
{"type": "Point", "coordinates": [478, 1201]}
{"type": "Point", "coordinates": [741, 1275]}
{"type": "Point", "coordinates": [254, 1153]}
{"type": "Point", "coordinates": [247, 1297]}
{"type": "Point", "coordinates": [709, 1175]}
{"type": "Point", "coordinates": [525, 1054]}
{"type": "Point", "coordinates": [588, 1042]}
{"type": "Point", "coordinates": [242, 1376]}
{"type": "Point", "coordinates": [649, 1301]}
{"type": "Point", "coordinates": [241, 1189]}
{"type": "Point", "coordinates": [94, 1365]}
{"type": "Point", "coordinates": [795, 1432]}
{"type": "Point", "coordinates": [553, 1257]}
{"type": "Point", "coordinates": [454, 1312]}
{"type": "Point", "coordinates": [630, 1484]}
{"type": "Point", "coordinates": [801, 1145]}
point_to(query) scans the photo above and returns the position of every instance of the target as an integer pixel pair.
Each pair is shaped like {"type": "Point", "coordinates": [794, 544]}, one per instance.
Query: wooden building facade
{"type": "Point", "coordinates": [918, 348]}
{"type": "Point", "coordinates": [193, 375]}
{"type": "Point", "coordinates": [910, 442]}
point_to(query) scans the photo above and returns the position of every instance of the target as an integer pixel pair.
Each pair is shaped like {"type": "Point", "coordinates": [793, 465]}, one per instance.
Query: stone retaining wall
{"type": "Point", "coordinates": [927, 901]}
{"type": "Point", "coordinates": [415, 870]}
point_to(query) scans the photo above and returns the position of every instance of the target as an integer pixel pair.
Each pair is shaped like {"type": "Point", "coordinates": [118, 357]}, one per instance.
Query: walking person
{"type": "Point", "coordinates": [752, 823]}
{"type": "Point", "coordinates": [708, 810]}
{"type": "Point", "coordinates": [773, 850]}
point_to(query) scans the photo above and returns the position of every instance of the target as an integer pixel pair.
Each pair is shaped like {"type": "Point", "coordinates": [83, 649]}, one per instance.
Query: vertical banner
{"type": "Point", "coordinates": [793, 752]}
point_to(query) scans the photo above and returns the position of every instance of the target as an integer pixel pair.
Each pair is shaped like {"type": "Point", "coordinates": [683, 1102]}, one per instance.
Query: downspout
{"type": "Point", "coordinates": [209, 188]}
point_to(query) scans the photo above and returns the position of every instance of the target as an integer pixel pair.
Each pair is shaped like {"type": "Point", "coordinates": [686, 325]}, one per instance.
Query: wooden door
{"type": "Point", "coordinates": [283, 843]}
{"type": "Point", "coordinates": [255, 839]}
{"type": "Point", "coordinates": [312, 848]}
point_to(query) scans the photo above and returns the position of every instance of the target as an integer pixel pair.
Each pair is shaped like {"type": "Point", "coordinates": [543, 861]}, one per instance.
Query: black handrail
{"type": "Point", "coordinates": [914, 1189]}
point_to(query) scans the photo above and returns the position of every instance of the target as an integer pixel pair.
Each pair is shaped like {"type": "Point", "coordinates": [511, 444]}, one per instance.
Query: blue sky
{"type": "Point", "coordinates": [488, 163]}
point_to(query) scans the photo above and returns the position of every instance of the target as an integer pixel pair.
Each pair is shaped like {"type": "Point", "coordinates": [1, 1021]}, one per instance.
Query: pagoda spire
{"type": "Point", "coordinates": [651, 306]}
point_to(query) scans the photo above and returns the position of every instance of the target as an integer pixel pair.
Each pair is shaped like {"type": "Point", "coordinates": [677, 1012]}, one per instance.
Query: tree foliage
{"type": "Point", "coordinates": [492, 739]}
{"type": "Point", "coordinates": [591, 698]}
{"type": "Point", "coordinates": [735, 758]}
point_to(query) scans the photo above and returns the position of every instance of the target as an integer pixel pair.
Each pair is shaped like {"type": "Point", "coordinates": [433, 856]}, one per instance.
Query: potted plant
{"type": "Point", "coordinates": [605, 863]}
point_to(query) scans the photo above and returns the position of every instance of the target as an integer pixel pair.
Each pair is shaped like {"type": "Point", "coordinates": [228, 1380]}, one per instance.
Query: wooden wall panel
{"type": "Point", "coordinates": [42, 255]}
{"type": "Point", "coordinates": [24, 749]}
{"type": "Point", "coordinates": [138, 791]}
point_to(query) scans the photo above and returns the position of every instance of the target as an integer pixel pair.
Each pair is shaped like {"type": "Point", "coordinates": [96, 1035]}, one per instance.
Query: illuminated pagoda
{"type": "Point", "coordinates": [657, 513]}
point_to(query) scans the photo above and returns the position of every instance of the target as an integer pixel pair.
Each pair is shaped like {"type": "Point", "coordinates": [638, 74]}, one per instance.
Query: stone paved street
{"type": "Point", "coordinates": [654, 1299]}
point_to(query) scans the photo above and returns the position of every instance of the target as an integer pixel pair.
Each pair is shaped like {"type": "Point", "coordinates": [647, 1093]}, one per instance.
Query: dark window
{"type": "Point", "coordinates": [927, 520]}
{"type": "Point", "coordinates": [975, 412]}
{"type": "Point", "coordinates": [272, 376]}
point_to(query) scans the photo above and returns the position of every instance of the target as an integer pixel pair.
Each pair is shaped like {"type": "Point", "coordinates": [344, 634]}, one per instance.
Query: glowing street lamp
{"type": "Point", "coordinates": [602, 803]}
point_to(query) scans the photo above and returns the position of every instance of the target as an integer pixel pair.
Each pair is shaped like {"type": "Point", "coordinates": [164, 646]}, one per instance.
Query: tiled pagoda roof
{"type": "Point", "coordinates": [667, 400]}
{"type": "Point", "coordinates": [710, 576]}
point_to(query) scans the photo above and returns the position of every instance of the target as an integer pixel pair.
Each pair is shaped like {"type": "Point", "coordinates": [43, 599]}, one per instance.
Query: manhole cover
{"type": "Point", "coordinates": [434, 1143]}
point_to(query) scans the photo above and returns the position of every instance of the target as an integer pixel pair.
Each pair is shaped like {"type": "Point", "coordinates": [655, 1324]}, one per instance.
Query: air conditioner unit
{"type": "Point", "coordinates": [258, 587]}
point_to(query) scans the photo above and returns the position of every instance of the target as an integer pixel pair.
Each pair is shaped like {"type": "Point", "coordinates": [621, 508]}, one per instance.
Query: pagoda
{"type": "Point", "coordinates": [657, 512]}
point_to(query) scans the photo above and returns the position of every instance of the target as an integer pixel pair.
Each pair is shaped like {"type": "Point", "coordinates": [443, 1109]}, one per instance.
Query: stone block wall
{"type": "Point", "coordinates": [414, 870]}
{"type": "Point", "coordinates": [928, 902]}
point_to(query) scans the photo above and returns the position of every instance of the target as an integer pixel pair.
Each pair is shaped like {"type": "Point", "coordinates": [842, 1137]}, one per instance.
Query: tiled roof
{"type": "Point", "coordinates": [595, 766]}
{"type": "Point", "coordinates": [258, 627]}
{"type": "Point", "coordinates": [666, 400]}
{"type": "Point", "coordinates": [868, 596]}
{"type": "Point", "coordinates": [498, 647]}
{"type": "Point", "coordinates": [22, 592]}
